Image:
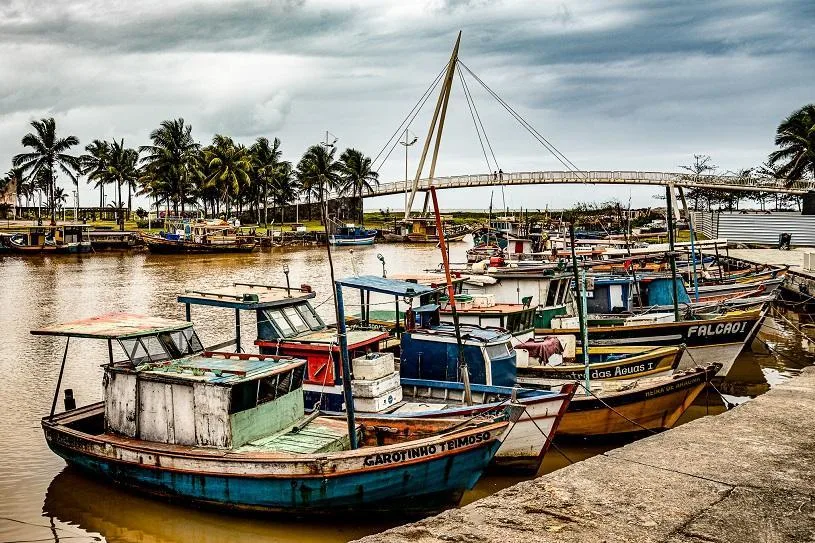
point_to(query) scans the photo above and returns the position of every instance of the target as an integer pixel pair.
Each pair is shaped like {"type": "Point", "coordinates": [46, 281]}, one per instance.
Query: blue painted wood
{"type": "Point", "coordinates": [382, 285]}
{"type": "Point", "coordinates": [425, 486]}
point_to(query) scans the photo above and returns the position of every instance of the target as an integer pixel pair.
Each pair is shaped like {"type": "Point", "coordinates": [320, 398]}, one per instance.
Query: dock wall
{"type": "Point", "coordinates": [745, 475]}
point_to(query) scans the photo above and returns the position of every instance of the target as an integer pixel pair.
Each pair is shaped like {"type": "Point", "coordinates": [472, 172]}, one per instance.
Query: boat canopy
{"type": "Point", "coordinates": [114, 326]}
{"type": "Point", "coordinates": [383, 285]}
{"type": "Point", "coordinates": [247, 296]}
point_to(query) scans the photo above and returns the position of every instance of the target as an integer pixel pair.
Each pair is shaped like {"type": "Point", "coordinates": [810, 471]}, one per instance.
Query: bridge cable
{"type": "Point", "coordinates": [469, 94]}
{"type": "Point", "coordinates": [524, 123]}
{"type": "Point", "coordinates": [537, 135]}
{"type": "Point", "coordinates": [475, 123]}
{"type": "Point", "coordinates": [409, 118]}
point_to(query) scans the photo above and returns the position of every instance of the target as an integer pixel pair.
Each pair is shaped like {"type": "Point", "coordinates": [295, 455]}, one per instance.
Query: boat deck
{"type": "Point", "coordinates": [319, 436]}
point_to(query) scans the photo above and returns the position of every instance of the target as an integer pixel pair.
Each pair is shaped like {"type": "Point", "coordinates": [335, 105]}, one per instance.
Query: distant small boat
{"type": "Point", "coordinates": [59, 239]}
{"type": "Point", "coordinates": [352, 235]}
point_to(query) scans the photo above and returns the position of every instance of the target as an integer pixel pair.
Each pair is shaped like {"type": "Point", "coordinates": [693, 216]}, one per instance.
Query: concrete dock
{"type": "Point", "coordinates": [799, 282]}
{"type": "Point", "coordinates": [745, 475]}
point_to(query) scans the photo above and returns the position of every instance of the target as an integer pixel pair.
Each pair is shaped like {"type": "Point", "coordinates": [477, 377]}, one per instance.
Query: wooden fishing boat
{"type": "Point", "coordinates": [630, 406]}
{"type": "Point", "coordinates": [708, 338]}
{"type": "Point", "coordinates": [200, 237]}
{"type": "Point", "coordinates": [423, 230]}
{"type": "Point", "coordinates": [618, 362]}
{"type": "Point", "coordinates": [230, 430]}
{"type": "Point", "coordinates": [350, 235]}
{"type": "Point", "coordinates": [59, 239]}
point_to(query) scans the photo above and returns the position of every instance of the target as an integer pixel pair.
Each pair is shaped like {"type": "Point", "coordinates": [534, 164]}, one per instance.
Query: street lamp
{"type": "Point", "coordinates": [382, 260]}
{"type": "Point", "coordinates": [407, 144]}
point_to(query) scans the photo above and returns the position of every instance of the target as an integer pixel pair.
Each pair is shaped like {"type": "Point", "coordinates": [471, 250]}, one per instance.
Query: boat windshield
{"type": "Point", "coordinates": [161, 347]}
{"type": "Point", "coordinates": [293, 320]}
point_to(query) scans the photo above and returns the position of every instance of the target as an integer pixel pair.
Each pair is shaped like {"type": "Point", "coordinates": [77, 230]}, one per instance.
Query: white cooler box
{"type": "Point", "coordinates": [380, 403]}
{"type": "Point", "coordinates": [373, 366]}
{"type": "Point", "coordinates": [371, 388]}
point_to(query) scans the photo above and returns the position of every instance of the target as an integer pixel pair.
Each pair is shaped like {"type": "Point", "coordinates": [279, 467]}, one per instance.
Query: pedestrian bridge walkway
{"type": "Point", "coordinates": [721, 182]}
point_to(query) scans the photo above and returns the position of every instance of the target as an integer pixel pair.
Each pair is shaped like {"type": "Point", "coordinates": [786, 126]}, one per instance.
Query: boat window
{"type": "Point", "coordinates": [156, 349]}
{"type": "Point", "coordinates": [182, 342]}
{"type": "Point", "coordinates": [295, 319]}
{"type": "Point", "coordinates": [276, 316]}
{"type": "Point", "coordinates": [551, 295]}
{"type": "Point", "coordinates": [497, 351]}
{"type": "Point", "coordinates": [309, 316]}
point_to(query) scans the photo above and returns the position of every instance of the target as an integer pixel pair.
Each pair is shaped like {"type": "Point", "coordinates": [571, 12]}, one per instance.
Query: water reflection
{"type": "Point", "coordinates": [72, 499]}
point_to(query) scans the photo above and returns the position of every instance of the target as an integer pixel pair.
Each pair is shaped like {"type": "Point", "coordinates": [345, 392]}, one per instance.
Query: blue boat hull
{"type": "Point", "coordinates": [335, 240]}
{"type": "Point", "coordinates": [413, 488]}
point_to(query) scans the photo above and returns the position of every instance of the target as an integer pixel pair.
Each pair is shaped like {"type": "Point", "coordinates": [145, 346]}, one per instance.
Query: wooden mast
{"type": "Point", "coordinates": [441, 108]}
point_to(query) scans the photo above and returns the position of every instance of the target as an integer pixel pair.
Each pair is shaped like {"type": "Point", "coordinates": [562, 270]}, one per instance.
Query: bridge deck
{"type": "Point", "coordinates": [722, 182]}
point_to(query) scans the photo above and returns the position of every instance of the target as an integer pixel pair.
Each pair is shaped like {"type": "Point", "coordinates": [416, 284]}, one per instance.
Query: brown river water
{"type": "Point", "coordinates": [42, 500]}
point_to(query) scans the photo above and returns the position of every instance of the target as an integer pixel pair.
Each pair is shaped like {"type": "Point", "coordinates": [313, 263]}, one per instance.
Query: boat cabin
{"type": "Point", "coordinates": [609, 294]}
{"type": "Point", "coordinates": [163, 388]}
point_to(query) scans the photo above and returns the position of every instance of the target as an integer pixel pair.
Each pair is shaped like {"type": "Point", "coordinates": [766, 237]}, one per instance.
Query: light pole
{"type": "Point", "coordinates": [76, 205]}
{"type": "Point", "coordinates": [407, 144]}
{"type": "Point", "coordinates": [329, 145]}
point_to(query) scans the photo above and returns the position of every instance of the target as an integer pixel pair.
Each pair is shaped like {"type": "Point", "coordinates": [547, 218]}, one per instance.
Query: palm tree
{"type": "Point", "coordinates": [265, 162]}
{"type": "Point", "coordinates": [123, 169]}
{"type": "Point", "coordinates": [319, 173]}
{"type": "Point", "coordinates": [48, 153]}
{"type": "Point", "coordinates": [172, 158]}
{"type": "Point", "coordinates": [796, 137]}
{"type": "Point", "coordinates": [94, 165]}
{"type": "Point", "coordinates": [231, 166]}
{"type": "Point", "coordinates": [60, 197]}
{"type": "Point", "coordinates": [285, 187]}
{"type": "Point", "coordinates": [358, 177]}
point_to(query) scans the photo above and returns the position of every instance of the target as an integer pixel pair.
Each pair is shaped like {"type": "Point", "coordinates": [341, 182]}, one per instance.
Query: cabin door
{"type": "Point", "coordinates": [519, 247]}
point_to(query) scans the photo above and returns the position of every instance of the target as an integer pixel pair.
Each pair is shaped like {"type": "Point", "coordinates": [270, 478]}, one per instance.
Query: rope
{"type": "Point", "coordinates": [551, 441]}
{"type": "Point", "coordinates": [408, 119]}
{"type": "Point", "coordinates": [568, 164]}
{"type": "Point", "coordinates": [480, 123]}
{"type": "Point", "coordinates": [727, 404]}
{"type": "Point", "coordinates": [583, 386]}
{"type": "Point", "coordinates": [475, 123]}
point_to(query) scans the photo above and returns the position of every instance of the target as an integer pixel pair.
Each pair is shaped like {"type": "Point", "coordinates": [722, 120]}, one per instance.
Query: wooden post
{"type": "Point", "coordinates": [671, 254]}
{"type": "Point", "coordinates": [238, 330]}
{"type": "Point", "coordinates": [187, 312]}
{"type": "Point", "coordinates": [581, 308]}
{"type": "Point", "coordinates": [346, 368]}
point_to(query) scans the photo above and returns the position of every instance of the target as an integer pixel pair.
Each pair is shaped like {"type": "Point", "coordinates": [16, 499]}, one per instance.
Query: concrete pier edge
{"type": "Point", "coordinates": [744, 475]}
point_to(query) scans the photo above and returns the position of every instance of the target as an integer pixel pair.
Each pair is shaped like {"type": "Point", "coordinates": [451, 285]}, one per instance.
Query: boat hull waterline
{"type": "Point", "coordinates": [418, 476]}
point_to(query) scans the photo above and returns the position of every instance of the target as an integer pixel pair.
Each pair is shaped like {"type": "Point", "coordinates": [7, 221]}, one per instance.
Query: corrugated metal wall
{"type": "Point", "coordinates": [757, 228]}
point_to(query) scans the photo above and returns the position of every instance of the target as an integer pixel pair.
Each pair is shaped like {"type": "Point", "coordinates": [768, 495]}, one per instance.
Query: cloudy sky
{"type": "Point", "coordinates": [635, 85]}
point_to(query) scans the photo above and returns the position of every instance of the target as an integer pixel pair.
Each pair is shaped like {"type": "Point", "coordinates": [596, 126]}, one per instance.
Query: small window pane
{"type": "Point", "coordinates": [280, 321]}
{"type": "Point", "coordinates": [309, 316]}
{"type": "Point", "coordinates": [295, 319]}
{"type": "Point", "coordinates": [497, 351]}
{"type": "Point", "coordinates": [157, 350]}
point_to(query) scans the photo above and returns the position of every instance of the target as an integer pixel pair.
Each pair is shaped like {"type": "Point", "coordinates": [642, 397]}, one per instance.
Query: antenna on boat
{"type": "Point", "coordinates": [580, 289]}
{"type": "Point", "coordinates": [438, 118]}
{"type": "Point", "coordinates": [341, 338]}
{"type": "Point", "coordinates": [451, 295]}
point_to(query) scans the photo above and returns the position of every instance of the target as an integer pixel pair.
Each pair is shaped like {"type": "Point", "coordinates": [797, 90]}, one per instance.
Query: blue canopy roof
{"type": "Point", "coordinates": [382, 285]}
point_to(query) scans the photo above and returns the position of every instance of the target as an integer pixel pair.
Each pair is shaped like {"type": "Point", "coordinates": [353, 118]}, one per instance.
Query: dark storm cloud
{"type": "Point", "coordinates": [618, 84]}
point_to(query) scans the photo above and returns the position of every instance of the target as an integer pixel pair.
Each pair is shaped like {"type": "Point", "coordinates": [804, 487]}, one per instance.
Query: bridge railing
{"type": "Point", "coordinates": [729, 182]}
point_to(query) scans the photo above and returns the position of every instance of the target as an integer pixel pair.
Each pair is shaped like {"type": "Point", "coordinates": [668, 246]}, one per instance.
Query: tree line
{"type": "Point", "coordinates": [794, 160]}
{"type": "Point", "coordinates": [179, 174]}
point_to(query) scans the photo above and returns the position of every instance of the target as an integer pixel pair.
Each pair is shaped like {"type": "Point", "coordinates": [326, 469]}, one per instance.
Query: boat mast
{"type": "Point", "coordinates": [441, 107]}
{"type": "Point", "coordinates": [669, 196]}
{"type": "Point", "coordinates": [342, 338]}
{"type": "Point", "coordinates": [451, 295]}
{"type": "Point", "coordinates": [580, 290]}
